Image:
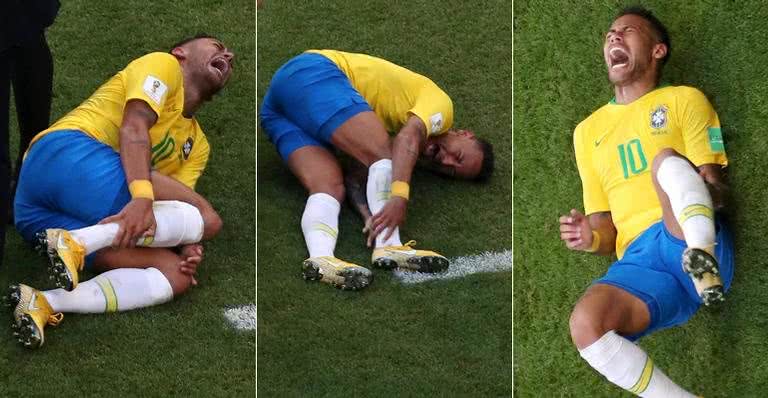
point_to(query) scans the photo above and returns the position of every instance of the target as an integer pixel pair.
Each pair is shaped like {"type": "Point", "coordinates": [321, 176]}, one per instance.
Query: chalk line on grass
{"type": "Point", "coordinates": [463, 266]}
{"type": "Point", "coordinates": [241, 317]}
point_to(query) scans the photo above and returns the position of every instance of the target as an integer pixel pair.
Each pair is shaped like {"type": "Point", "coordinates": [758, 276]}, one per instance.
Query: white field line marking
{"type": "Point", "coordinates": [463, 266]}
{"type": "Point", "coordinates": [242, 317]}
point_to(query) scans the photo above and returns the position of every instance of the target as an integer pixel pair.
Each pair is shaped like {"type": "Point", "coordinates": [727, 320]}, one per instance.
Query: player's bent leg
{"type": "Point", "coordinates": [178, 223]}
{"type": "Point", "coordinates": [319, 172]}
{"type": "Point", "coordinates": [606, 307]}
{"type": "Point", "coordinates": [164, 260]}
{"type": "Point", "coordinates": [364, 137]}
{"type": "Point", "coordinates": [132, 278]}
{"type": "Point", "coordinates": [598, 321]}
{"type": "Point", "coordinates": [689, 214]}
{"type": "Point", "coordinates": [168, 189]}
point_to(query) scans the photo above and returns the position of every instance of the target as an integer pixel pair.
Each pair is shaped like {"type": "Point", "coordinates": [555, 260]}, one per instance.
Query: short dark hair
{"type": "Point", "coordinates": [193, 38]}
{"type": "Point", "coordinates": [662, 35]}
{"type": "Point", "coordinates": [486, 167]}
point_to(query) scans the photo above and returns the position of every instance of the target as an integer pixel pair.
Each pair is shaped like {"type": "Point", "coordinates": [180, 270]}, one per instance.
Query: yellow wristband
{"type": "Point", "coordinates": [595, 242]}
{"type": "Point", "coordinates": [400, 188]}
{"type": "Point", "coordinates": [141, 189]}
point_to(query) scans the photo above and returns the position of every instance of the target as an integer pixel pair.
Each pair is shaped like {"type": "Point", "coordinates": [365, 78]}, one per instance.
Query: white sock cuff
{"type": "Point", "coordinates": [603, 350]}
{"type": "Point", "coordinates": [325, 199]}
{"type": "Point", "coordinates": [158, 286]}
{"type": "Point", "coordinates": [381, 164]}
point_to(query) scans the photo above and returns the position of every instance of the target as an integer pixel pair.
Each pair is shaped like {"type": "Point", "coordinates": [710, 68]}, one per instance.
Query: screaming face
{"type": "Point", "coordinates": [210, 64]}
{"type": "Point", "coordinates": [631, 50]}
{"type": "Point", "coordinates": [455, 153]}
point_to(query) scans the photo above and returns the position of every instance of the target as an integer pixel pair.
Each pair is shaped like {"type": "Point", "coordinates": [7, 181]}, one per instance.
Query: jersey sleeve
{"type": "Point", "coordinates": [435, 109]}
{"type": "Point", "coordinates": [701, 130]}
{"type": "Point", "coordinates": [193, 167]}
{"type": "Point", "coordinates": [153, 78]}
{"type": "Point", "coordinates": [595, 199]}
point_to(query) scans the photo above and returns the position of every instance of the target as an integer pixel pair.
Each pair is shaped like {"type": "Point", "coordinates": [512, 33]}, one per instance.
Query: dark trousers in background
{"type": "Point", "coordinates": [29, 70]}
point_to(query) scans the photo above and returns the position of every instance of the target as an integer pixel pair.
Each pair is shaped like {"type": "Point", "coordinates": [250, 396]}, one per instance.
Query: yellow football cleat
{"type": "Point", "coordinates": [66, 256]}
{"type": "Point", "coordinates": [31, 313]}
{"type": "Point", "coordinates": [407, 258]}
{"type": "Point", "coordinates": [344, 275]}
{"type": "Point", "coordinates": [703, 270]}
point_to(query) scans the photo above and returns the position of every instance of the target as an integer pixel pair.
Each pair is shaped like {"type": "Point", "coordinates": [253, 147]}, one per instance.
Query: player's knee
{"type": "Point", "coordinates": [335, 189]}
{"type": "Point", "coordinates": [383, 153]}
{"type": "Point", "coordinates": [212, 223]}
{"type": "Point", "coordinates": [585, 325]}
{"type": "Point", "coordinates": [338, 191]}
{"type": "Point", "coordinates": [663, 154]}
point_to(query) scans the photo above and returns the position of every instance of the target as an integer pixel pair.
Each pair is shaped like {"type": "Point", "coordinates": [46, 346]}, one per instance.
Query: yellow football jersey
{"type": "Point", "coordinates": [616, 145]}
{"type": "Point", "coordinates": [394, 92]}
{"type": "Point", "coordinates": [179, 146]}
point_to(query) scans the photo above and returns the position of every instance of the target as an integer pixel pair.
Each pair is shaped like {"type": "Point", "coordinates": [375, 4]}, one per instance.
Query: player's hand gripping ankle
{"type": "Point", "coordinates": [391, 216]}
{"type": "Point", "coordinates": [135, 220]}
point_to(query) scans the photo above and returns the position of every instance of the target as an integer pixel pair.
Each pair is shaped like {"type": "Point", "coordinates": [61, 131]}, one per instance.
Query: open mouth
{"type": "Point", "coordinates": [221, 66]}
{"type": "Point", "coordinates": [617, 58]}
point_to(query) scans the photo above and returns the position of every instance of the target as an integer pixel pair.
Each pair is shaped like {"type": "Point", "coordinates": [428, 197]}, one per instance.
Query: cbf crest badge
{"type": "Point", "coordinates": [187, 148]}
{"type": "Point", "coordinates": [659, 117]}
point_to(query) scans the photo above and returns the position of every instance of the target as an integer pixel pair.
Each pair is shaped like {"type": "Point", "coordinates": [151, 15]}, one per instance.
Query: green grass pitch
{"type": "Point", "coordinates": [560, 78]}
{"type": "Point", "coordinates": [442, 338]}
{"type": "Point", "coordinates": [183, 348]}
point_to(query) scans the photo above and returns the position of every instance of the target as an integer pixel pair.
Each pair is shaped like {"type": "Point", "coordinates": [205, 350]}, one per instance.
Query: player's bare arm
{"type": "Point", "coordinates": [405, 152]}
{"type": "Point", "coordinates": [136, 218]}
{"type": "Point", "coordinates": [579, 231]}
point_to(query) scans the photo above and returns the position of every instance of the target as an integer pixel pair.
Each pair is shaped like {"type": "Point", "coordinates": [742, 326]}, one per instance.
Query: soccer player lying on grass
{"type": "Point", "coordinates": [651, 164]}
{"type": "Point", "coordinates": [129, 156]}
{"type": "Point", "coordinates": [325, 99]}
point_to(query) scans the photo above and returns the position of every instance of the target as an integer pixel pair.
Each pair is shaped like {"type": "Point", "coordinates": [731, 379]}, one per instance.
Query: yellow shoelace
{"type": "Point", "coordinates": [55, 319]}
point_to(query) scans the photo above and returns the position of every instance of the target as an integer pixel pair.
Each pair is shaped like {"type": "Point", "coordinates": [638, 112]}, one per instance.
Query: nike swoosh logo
{"type": "Point", "coordinates": [62, 244]}
{"type": "Point", "coordinates": [409, 252]}
{"type": "Point", "coordinates": [32, 305]}
{"type": "Point", "coordinates": [598, 141]}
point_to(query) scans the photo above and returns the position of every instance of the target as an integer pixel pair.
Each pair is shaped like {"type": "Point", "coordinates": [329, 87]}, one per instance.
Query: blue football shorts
{"type": "Point", "coordinates": [308, 99]}
{"type": "Point", "coordinates": [651, 270]}
{"type": "Point", "coordinates": [68, 180]}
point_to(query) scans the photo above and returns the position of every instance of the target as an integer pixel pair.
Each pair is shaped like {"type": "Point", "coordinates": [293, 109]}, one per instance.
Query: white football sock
{"type": "Point", "coordinates": [320, 224]}
{"type": "Point", "coordinates": [377, 192]}
{"type": "Point", "coordinates": [629, 367]}
{"type": "Point", "coordinates": [690, 200]}
{"type": "Point", "coordinates": [116, 290]}
{"type": "Point", "coordinates": [177, 223]}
